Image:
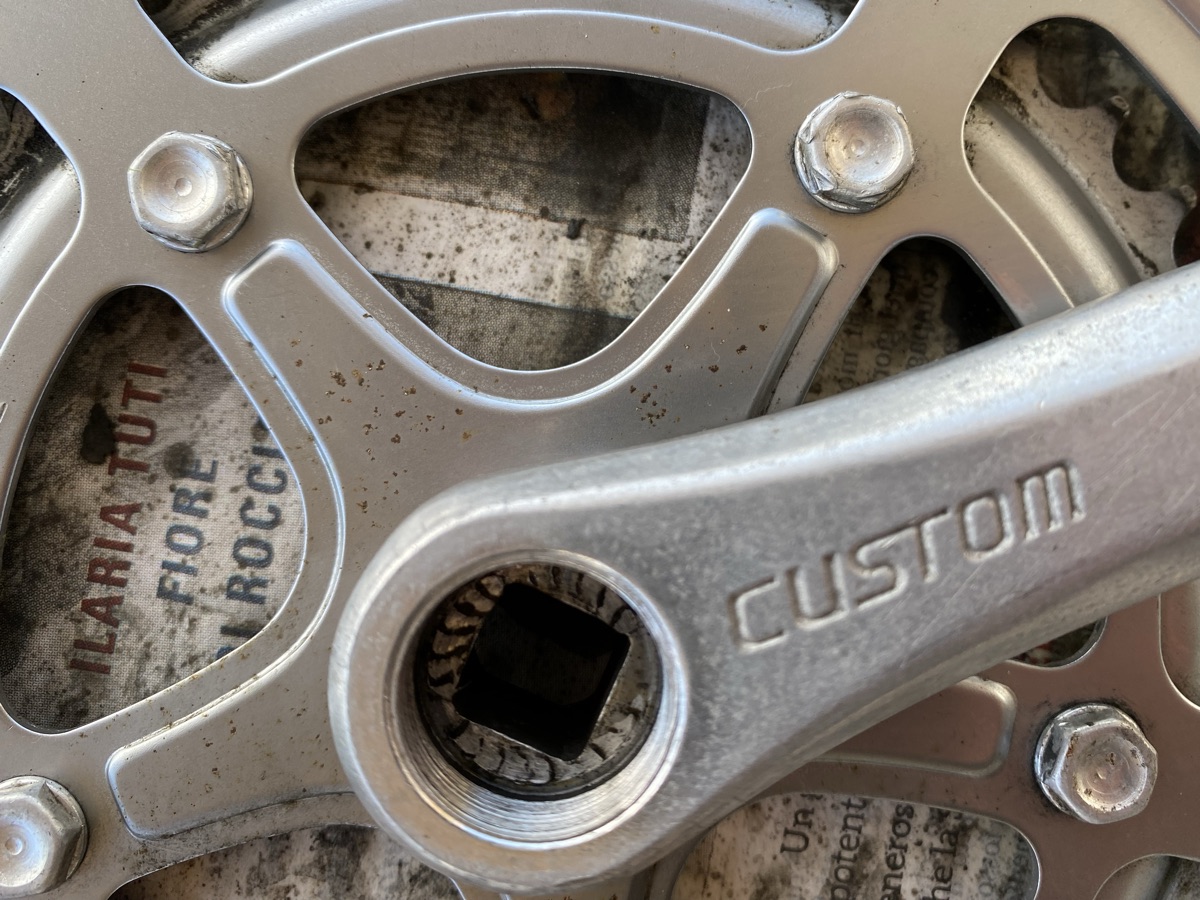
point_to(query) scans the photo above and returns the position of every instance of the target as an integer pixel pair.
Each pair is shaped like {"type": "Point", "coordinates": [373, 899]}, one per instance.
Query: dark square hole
{"type": "Point", "coordinates": [540, 671]}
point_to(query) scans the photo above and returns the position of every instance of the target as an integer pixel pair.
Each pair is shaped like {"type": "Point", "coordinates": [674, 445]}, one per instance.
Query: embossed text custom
{"type": "Point", "coordinates": [887, 565]}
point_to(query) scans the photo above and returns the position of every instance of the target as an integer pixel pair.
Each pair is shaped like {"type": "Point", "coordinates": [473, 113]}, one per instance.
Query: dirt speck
{"type": "Point", "coordinates": [179, 459]}
{"type": "Point", "coordinates": [98, 440]}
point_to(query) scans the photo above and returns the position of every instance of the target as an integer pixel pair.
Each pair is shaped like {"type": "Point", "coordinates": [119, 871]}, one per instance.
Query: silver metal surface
{"type": "Point", "coordinates": [1074, 858]}
{"type": "Point", "coordinates": [1093, 762]}
{"type": "Point", "coordinates": [854, 152]}
{"type": "Point", "coordinates": [190, 191]}
{"type": "Point", "coordinates": [1012, 509]}
{"type": "Point", "coordinates": [251, 735]}
{"type": "Point", "coordinates": [43, 836]}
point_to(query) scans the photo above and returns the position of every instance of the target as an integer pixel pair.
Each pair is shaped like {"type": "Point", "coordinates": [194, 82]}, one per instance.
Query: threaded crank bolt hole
{"type": "Point", "coordinates": [537, 681]}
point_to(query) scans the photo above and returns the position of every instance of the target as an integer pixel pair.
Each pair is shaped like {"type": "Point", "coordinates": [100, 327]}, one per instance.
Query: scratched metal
{"type": "Point", "coordinates": [106, 253]}
{"type": "Point", "coordinates": [897, 545]}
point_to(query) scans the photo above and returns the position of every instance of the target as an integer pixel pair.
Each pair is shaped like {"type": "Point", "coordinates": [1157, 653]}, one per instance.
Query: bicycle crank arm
{"type": "Point", "coordinates": [801, 576]}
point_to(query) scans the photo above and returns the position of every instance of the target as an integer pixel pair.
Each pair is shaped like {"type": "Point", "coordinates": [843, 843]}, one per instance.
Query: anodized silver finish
{"type": "Point", "coordinates": [283, 277]}
{"type": "Point", "coordinates": [976, 506]}
{"type": "Point", "coordinates": [190, 191]}
{"type": "Point", "coordinates": [854, 152]}
{"type": "Point", "coordinates": [1074, 858]}
{"type": "Point", "coordinates": [43, 836]}
{"type": "Point", "coordinates": [1093, 762]}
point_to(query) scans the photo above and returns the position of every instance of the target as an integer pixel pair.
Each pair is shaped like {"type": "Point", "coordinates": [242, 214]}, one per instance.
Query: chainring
{"type": "Point", "coordinates": [1083, 179]}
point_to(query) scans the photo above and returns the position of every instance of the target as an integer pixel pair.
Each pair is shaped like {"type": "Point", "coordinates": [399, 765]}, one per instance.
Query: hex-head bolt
{"type": "Point", "coordinates": [854, 152]}
{"type": "Point", "coordinates": [190, 191]}
{"type": "Point", "coordinates": [1093, 762]}
{"type": "Point", "coordinates": [43, 836]}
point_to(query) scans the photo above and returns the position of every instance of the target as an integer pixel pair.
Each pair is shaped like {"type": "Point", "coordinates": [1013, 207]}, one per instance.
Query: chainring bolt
{"type": "Point", "coordinates": [43, 836]}
{"type": "Point", "coordinates": [1093, 762]}
{"type": "Point", "coordinates": [854, 152]}
{"type": "Point", "coordinates": [190, 191]}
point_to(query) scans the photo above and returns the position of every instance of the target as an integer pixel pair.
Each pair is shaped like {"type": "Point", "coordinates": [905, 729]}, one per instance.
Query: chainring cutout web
{"type": "Point", "coordinates": [433, 289]}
